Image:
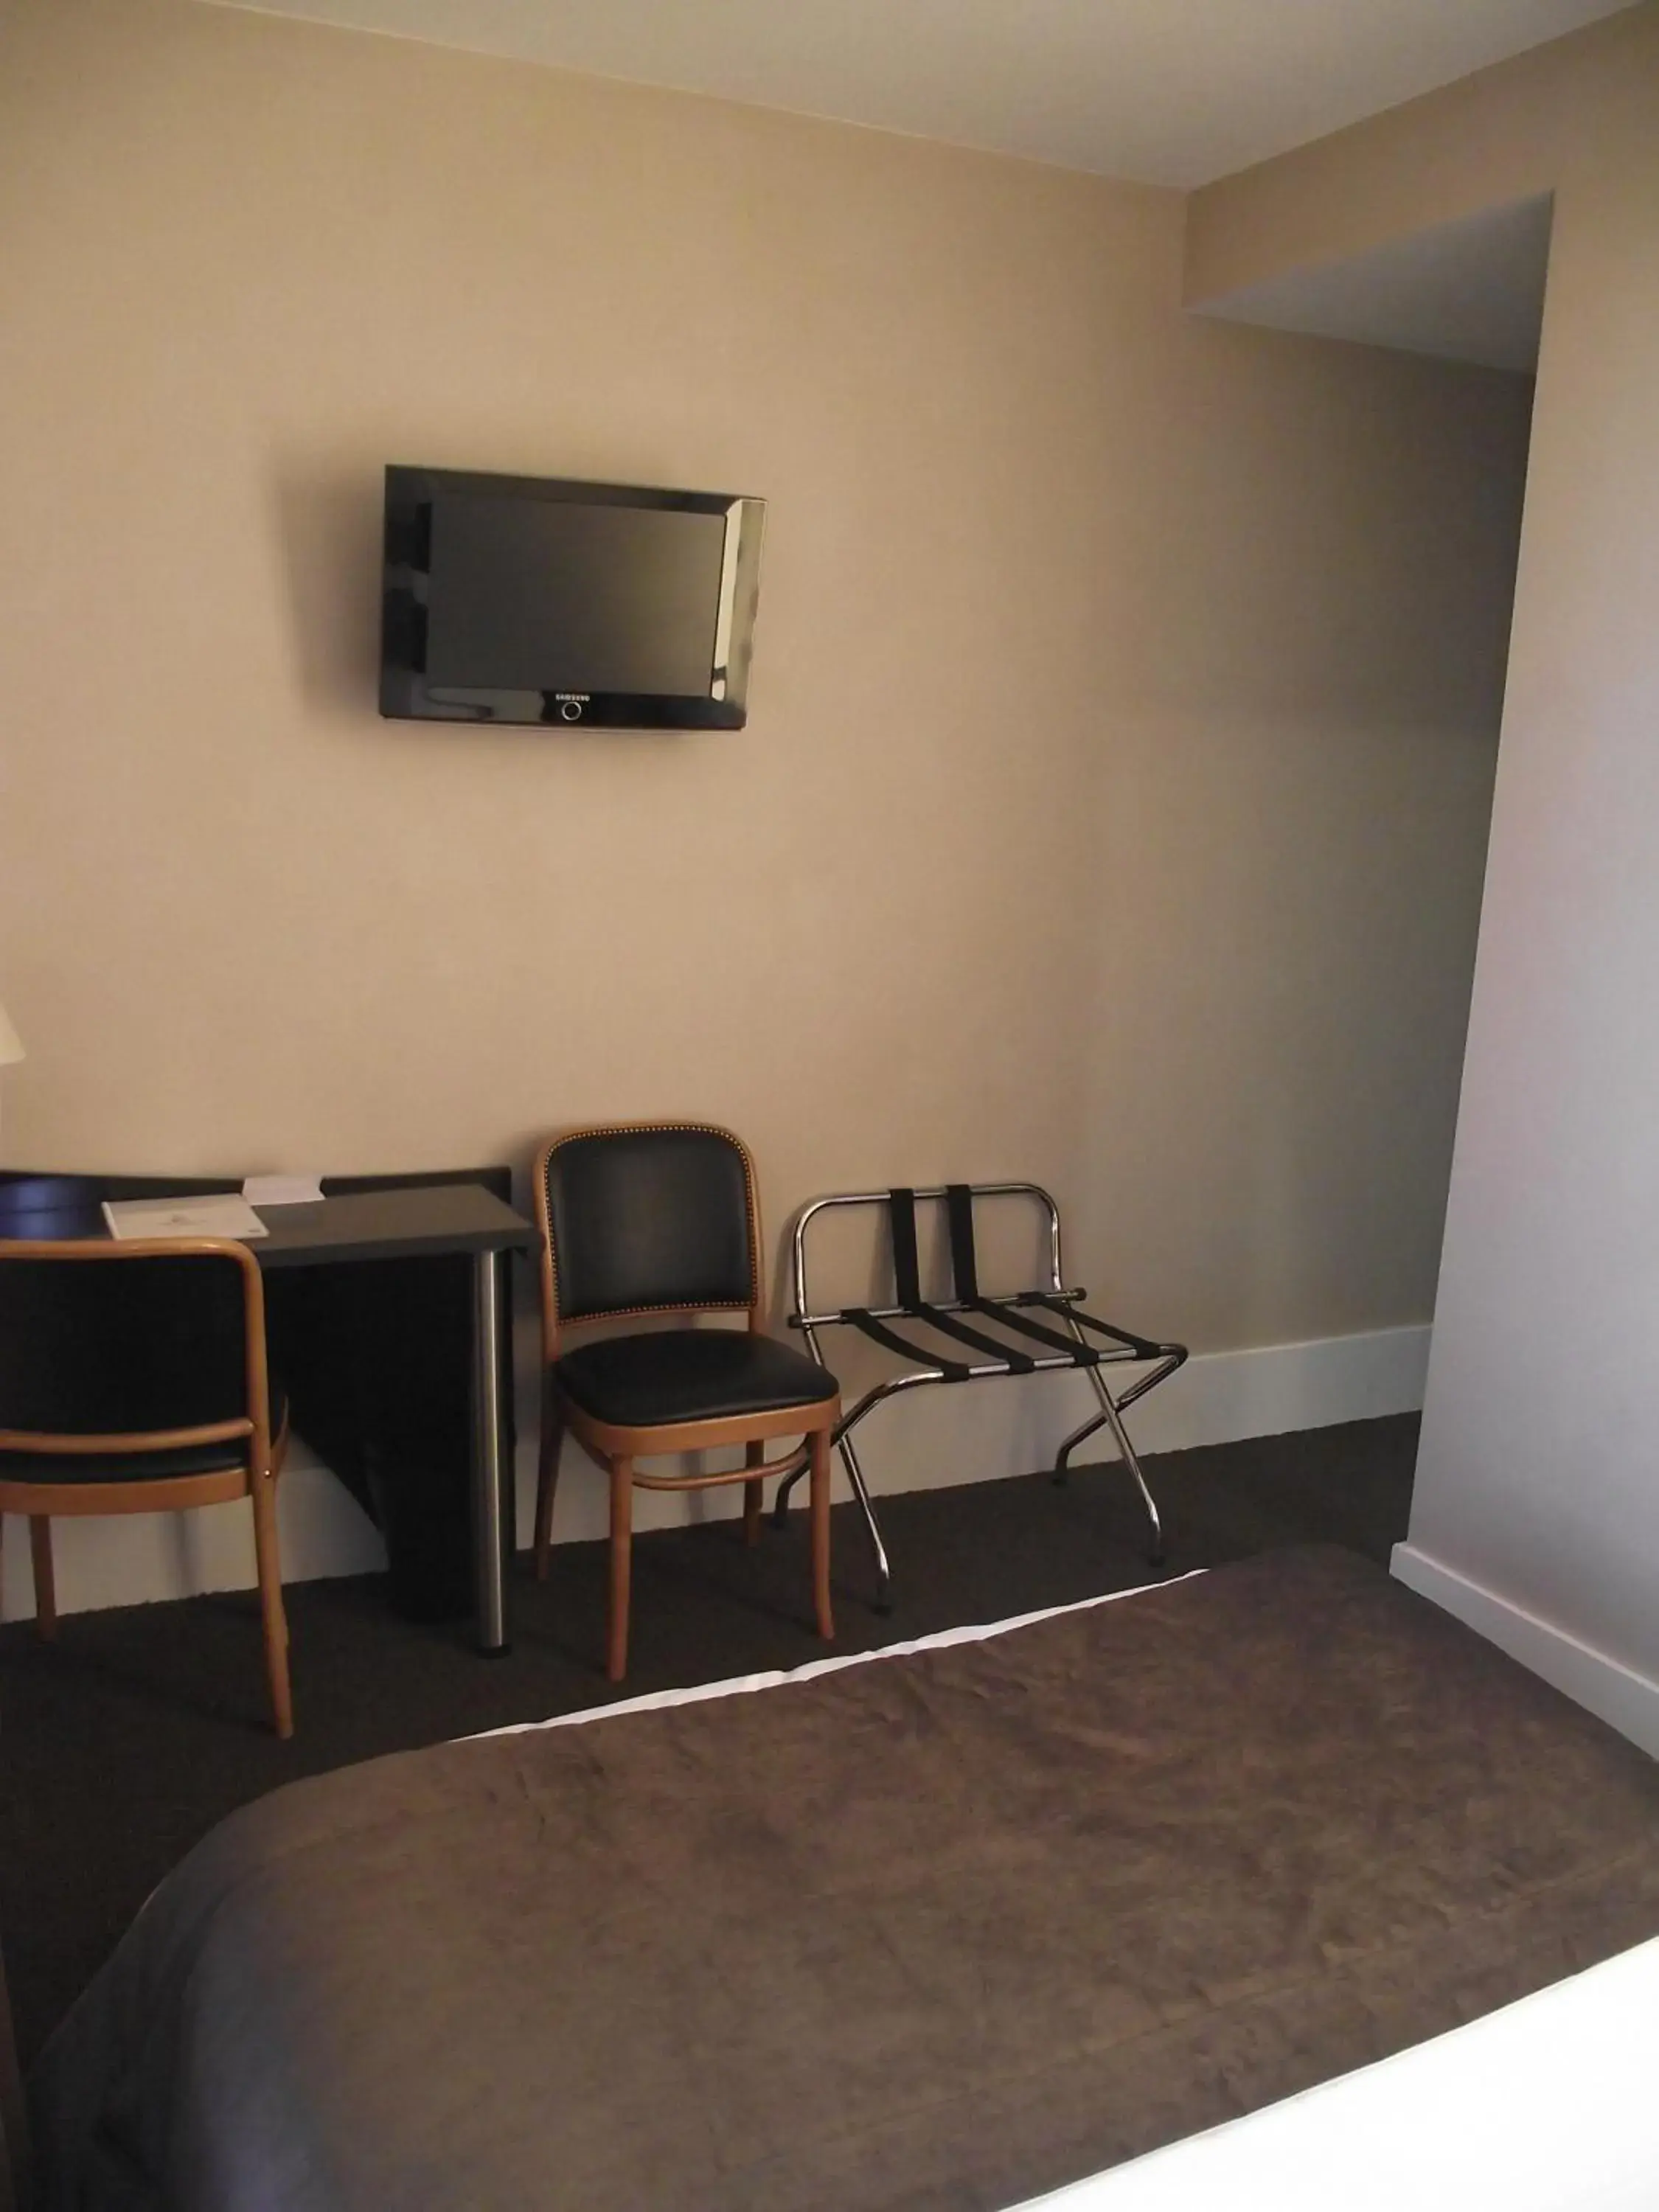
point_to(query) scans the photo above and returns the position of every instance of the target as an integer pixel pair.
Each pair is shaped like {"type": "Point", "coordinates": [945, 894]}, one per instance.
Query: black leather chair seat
{"type": "Point", "coordinates": [131, 1467]}
{"type": "Point", "coordinates": [673, 1374]}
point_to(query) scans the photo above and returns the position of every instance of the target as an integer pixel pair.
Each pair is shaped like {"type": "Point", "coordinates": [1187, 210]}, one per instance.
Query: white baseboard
{"type": "Point", "coordinates": [924, 1440]}
{"type": "Point", "coordinates": [976, 1433]}
{"type": "Point", "coordinates": [1602, 1684]}
{"type": "Point", "coordinates": [1219, 1397]}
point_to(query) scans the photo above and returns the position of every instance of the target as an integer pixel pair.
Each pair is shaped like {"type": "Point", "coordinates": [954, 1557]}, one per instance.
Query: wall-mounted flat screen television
{"type": "Point", "coordinates": [534, 600]}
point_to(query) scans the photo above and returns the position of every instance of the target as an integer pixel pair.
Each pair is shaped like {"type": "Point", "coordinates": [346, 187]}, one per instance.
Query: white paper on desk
{"type": "Point", "coordinates": [224, 1213]}
{"type": "Point", "coordinates": [283, 1190]}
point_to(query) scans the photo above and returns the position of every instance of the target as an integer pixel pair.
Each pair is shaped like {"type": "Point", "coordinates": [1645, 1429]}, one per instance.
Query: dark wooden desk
{"type": "Point", "coordinates": [427, 1222]}
{"type": "Point", "coordinates": [367, 1219]}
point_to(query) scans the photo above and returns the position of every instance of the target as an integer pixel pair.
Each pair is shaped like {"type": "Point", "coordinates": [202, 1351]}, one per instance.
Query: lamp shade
{"type": "Point", "coordinates": [11, 1045]}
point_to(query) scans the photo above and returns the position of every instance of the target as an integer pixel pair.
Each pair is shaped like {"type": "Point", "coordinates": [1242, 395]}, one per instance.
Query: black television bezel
{"type": "Point", "coordinates": [405, 694]}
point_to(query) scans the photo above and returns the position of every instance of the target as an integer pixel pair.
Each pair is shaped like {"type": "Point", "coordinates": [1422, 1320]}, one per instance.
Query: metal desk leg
{"type": "Point", "coordinates": [493, 1486]}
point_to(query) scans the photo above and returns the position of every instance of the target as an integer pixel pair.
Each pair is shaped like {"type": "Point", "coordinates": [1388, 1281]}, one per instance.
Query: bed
{"type": "Point", "coordinates": [959, 1925]}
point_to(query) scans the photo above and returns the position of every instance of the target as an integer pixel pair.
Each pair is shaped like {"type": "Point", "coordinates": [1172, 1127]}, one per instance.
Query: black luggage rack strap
{"type": "Point", "coordinates": [1041, 1346]}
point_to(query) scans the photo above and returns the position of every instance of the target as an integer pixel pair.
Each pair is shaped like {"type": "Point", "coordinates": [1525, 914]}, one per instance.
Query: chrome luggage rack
{"type": "Point", "coordinates": [1041, 1346]}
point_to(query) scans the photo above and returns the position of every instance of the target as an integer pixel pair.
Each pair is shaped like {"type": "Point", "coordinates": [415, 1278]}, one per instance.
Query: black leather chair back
{"type": "Point", "coordinates": [649, 1220]}
{"type": "Point", "coordinates": [120, 1344]}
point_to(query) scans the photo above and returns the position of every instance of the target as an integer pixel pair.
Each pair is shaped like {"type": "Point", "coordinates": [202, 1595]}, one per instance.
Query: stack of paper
{"type": "Point", "coordinates": [224, 1213]}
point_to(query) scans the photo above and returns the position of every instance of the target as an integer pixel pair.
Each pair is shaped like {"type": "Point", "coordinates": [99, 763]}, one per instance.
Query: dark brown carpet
{"type": "Point", "coordinates": [124, 1743]}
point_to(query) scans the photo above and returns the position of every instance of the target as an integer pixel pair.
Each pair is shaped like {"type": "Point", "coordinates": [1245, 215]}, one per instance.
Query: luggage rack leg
{"type": "Point", "coordinates": [1109, 1417]}
{"type": "Point", "coordinates": [873, 1527]}
{"type": "Point", "coordinates": [860, 1491]}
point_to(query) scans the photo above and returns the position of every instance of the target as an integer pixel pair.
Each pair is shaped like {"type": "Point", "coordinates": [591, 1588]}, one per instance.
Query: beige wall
{"type": "Point", "coordinates": [1115, 791]}
{"type": "Point", "coordinates": [1537, 1510]}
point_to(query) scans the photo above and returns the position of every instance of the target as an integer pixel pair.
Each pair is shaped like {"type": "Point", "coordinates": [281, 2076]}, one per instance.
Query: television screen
{"type": "Point", "coordinates": [541, 600]}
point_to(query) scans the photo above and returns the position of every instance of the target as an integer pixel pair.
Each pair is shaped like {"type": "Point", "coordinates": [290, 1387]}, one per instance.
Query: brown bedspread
{"type": "Point", "coordinates": [935, 1932]}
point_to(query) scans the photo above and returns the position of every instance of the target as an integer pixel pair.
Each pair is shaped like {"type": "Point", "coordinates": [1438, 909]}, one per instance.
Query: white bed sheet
{"type": "Point", "coordinates": [1548, 2105]}
{"type": "Point", "coordinates": [737, 1684]}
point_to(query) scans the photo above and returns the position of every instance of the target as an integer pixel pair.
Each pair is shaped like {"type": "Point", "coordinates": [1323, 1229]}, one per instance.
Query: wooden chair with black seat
{"type": "Point", "coordinates": [133, 1380]}
{"type": "Point", "coordinates": [661, 1218]}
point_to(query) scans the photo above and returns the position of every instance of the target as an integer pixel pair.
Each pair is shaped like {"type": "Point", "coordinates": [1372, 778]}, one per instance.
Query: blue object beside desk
{"type": "Point", "coordinates": [362, 1220]}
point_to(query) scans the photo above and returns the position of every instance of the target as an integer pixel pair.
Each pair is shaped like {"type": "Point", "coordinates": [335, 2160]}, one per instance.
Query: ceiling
{"type": "Point", "coordinates": [1166, 92]}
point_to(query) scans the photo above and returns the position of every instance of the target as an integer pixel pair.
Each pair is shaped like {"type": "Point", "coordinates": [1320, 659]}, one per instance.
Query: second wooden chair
{"type": "Point", "coordinates": [660, 1218]}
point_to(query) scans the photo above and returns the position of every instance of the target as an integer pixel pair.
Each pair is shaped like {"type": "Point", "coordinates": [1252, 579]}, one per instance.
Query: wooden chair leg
{"type": "Point", "coordinates": [754, 1496]}
{"type": "Point", "coordinates": [547, 1477]}
{"type": "Point", "coordinates": [820, 1513]}
{"type": "Point", "coordinates": [45, 1589]}
{"type": "Point", "coordinates": [273, 1620]}
{"type": "Point", "coordinates": [622, 1561]}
